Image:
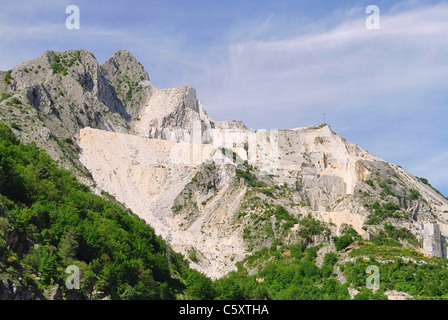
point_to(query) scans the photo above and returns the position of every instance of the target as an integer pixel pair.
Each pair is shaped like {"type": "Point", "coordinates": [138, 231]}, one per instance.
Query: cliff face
{"type": "Point", "coordinates": [192, 193]}
{"type": "Point", "coordinates": [49, 99]}
{"type": "Point", "coordinates": [215, 188]}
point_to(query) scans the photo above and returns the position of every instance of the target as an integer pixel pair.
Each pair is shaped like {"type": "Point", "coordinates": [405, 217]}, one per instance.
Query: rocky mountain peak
{"type": "Point", "coordinates": [122, 61]}
{"type": "Point", "coordinates": [50, 98]}
{"type": "Point", "coordinates": [129, 78]}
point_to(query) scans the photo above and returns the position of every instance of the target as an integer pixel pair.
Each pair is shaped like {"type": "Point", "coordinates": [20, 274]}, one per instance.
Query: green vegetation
{"type": "Point", "coordinates": [291, 273]}
{"type": "Point", "coordinates": [283, 215]}
{"type": "Point", "coordinates": [310, 227]}
{"type": "Point", "coordinates": [59, 67]}
{"type": "Point", "coordinates": [284, 277]}
{"type": "Point", "coordinates": [322, 125]}
{"type": "Point", "coordinates": [8, 78]}
{"type": "Point", "coordinates": [381, 211]}
{"type": "Point", "coordinates": [401, 233]}
{"type": "Point", "coordinates": [16, 100]}
{"type": "Point", "coordinates": [176, 208]}
{"type": "Point", "coordinates": [348, 237]}
{"type": "Point", "coordinates": [73, 59]}
{"type": "Point", "coordinates": [56, 222]}
{"type": "Point", "coordinates": [249, 178]}
{"type": "Point", "coordinates": [4, 96]}
{"type": "Point", "coordinates": [192, 255]}
{"type": "Point", "coordinates": [425, 181]}
{"type": "Point", "coordinates": [127, 87]}
{"type": "Point", "coordinates": [415, 195]}
{"type": "Point", "coordinates": [421, 277]}
{"type": "Point", "coordinates": [370, 183]}
{"type": "Point", "coordinates": [15, 126]}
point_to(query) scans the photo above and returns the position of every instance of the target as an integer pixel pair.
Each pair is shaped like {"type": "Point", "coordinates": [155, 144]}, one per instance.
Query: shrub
{"type": "Point", "coordinates": [15, 126]}
{"type": "Point", "coordinates": [380, 212]}
{"type": "Point", "coordinates": [68, 140]}
{"type": "Point", "coordinates": [370, 183]}
{"type": "Point", "coordinates": [249, 178]}
{"type": "Point", "coordinates": [282, 214]}
{"type": "Point", "coordinates": [343, 242]}
{"type": "Point", "coordinates": [192, 255]}
{"type": "Point", "coordinates": [16, 100]}
{"type": "Point", "coordinates": [310, 227]}
{"type": "Point", "coordinates": [415, 195]}
{"type": "Point", "coordinates": [8, 77]}
{"type": "Point", "coordinates": [4, 96]}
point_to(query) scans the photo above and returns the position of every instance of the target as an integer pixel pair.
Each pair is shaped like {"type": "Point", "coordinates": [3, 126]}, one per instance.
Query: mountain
{"type": "Point", "coordinates": [216, 191]}
{"type": "Point", "coordinates": [51, 225]}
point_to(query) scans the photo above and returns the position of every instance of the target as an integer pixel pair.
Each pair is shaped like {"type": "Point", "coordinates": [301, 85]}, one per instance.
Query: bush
{"type": "Point", "coordinates": [16, 100]}
{"type": "Point", "coordinates": [192, 255]}
{"type": "Point", "coordinates": [343, 242]}
{"type": "Point", "coordinates": [199, 286]}
{"type": "Point", "coordinates": [330, 260]}
{"type": "Point", "coordinates": [15, 126]}
{"type": "Point", "coordinates": [401, 233]}
{"type": "Point", "coordinates": [310, 227]}
{"type": "Point", "coordinates": [370, 183]}
{"type": "Point", "coordinates": [4, 96]}
{"type": "Point", "coordinates": [249, 178]}
{"type": "Point", "coordinates": [381, 212]}
{"type": "Point", "coordinates": [8, 77]}
{"type": "Point", "coordinates": [415, 195]}
{"type": "Point", "coordinates": [58, 68]}
{"type": "Point", "coordinates": [282, 214]}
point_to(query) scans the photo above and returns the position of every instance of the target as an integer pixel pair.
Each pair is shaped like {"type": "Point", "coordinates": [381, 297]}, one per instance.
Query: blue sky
{"type": "Point", "coordinates": [275, 64]}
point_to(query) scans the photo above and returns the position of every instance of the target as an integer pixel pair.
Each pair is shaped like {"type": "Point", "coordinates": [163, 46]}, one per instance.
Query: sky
{"type": "Point", "coordinates": [275, 64]}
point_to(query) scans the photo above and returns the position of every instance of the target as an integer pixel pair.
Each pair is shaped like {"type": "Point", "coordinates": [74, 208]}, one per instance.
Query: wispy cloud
{"type": "Point", "coordinates": [365, 80]}
{"type": "Point", "coordinates": [338, 67]}
{"type": "Point", "coordinates": [383, 89]}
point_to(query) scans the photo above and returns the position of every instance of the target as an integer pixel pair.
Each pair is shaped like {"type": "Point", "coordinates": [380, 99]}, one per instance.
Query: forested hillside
{"type": "Point", "coordinates": [49, 221]}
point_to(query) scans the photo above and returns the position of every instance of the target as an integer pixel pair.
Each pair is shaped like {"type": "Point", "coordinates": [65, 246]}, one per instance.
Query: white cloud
{"type": "Point", "coordinates": [339, 67]}
{"type": "Point", "coordinates": [376, 85]}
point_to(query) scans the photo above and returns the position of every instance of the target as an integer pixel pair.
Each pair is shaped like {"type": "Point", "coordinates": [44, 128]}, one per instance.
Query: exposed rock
{"type": "Point", "coordinates": [432, 246]}
{"type": "Point", "coordinates": [153, 148]}
{"type": "Point", "coordinates": [322, 252]}
{"type": "Point", "coordinates": [9, 290]}
{"type": "Point", "coordinates": [55, 95]}
{"type": "Point", "coordinates": [54, 293]}
{"type": "Point", "coordinates": [352, 292]}
{"type": "Point", "coordinates": [397, 295]}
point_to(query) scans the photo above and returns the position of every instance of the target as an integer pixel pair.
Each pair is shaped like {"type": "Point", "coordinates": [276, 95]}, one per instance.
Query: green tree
{"type": "Point", "coordinates": [342, 242]}
{"type": "Point", "coordinates": [199, 286]}
{"type": "Point", "coordinates": [47, 267]}
{"type": "Point", "coordinates": [69, 245]}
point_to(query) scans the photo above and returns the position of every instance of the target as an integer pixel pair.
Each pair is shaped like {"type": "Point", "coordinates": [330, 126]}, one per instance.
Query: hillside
{"type": "Point", "coordinates": [232, 200]}
{"type": "Point", "coordinates": [202, 206]}
{"type": "Point", "coordinates": [49, 221]}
